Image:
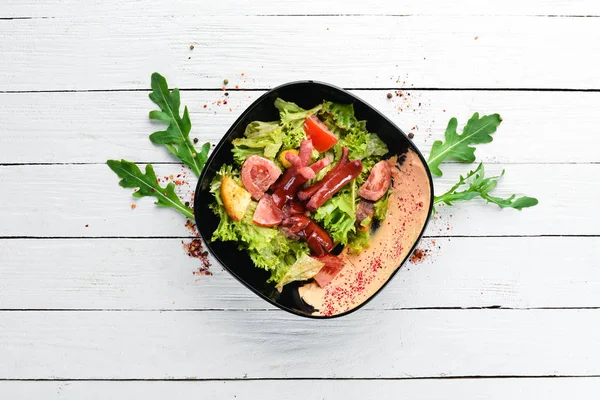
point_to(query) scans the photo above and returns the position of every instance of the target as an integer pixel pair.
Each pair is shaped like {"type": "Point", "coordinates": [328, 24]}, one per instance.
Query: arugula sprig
{"type": "Point", "coordinates": [480, 186]}
{"type": "Point", "coordinates": [176, 137]}
{"type": "Point", "coordinates": [147, 184]}
{"type": "Point", "coordinates": [457, 147]}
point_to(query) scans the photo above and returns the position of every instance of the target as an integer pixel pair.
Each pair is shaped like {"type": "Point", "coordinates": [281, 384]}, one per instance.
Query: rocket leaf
{"type": "Point", "coordinates": [457, 147]}
{"type": "Point", "coordinates": [479, 186]}
{"type": "Point", "coordinates": [176, 137]}
{"type": "Point", "coordinates": [132, 177]}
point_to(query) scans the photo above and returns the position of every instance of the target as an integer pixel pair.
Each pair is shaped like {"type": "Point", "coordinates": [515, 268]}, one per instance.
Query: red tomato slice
{"type": "Point", "coordinates": [318, 133]}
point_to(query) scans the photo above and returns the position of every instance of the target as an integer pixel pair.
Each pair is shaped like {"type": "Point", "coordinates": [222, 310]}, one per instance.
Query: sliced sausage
{"type": "Point", "coordinates": [333, 265]}
{"type": "Point", "coordinates": [267, 213]}
{"type": "Point", "coordinates": [309, 191]}
{"type": "Point", "coordinates": [334, 184]}
{"type": "Point", "coordinates": [258, 174]}
{"type": "Point", "coordinates": [378, 182]}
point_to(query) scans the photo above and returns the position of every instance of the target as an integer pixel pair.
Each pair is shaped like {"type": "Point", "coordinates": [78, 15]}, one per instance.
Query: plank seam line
{"type": "Point", "coordinates": [24, 237]}
{"type": "Point", "coordinates": [180, 310]}
{"type": "Point", "coordinates": [456, 377]}
{"type": "Point", "coordinates": [25, 164]}
{"type": "Point", "coordinates": [424, 88]}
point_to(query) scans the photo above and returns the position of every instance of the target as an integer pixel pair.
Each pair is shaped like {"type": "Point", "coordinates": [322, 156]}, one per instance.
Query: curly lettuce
{"type": "Point", "coordinates": [268, 248]}
{"type": "Point", "coordinates": [338, 215]}
{"type": "Point", "coordinates": [292, 122]}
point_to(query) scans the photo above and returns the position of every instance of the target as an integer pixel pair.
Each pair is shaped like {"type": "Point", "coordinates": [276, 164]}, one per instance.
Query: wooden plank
{"type": "Point", "coordinates": [373, 51]}
{"type": "Point", "coordinates": [275, 344]}
{"type": "Point", "coordinates": [107, 125]}
{"type": "Point", "coordinates": [137, 8]}
{"type": "Point", "coordinates": [146, 274]}
{"type": "Point", "coordinates": [60, 200]}
{"type": "Point", "coordinates": [430, 389]}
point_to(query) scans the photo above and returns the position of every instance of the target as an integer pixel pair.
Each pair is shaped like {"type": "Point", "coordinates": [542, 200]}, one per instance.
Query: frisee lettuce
{"type": "Point", "coordinates": [292, 122]}
{"type": "Point", "coordinates": [268, 248]}
{"type": "Point", "coordinates": [260, 138]}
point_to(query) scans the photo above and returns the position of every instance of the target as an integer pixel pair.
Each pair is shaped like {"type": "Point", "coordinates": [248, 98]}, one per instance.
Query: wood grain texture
{"type": "Point", "coordinates": [364, 52]}
{"type": "Point", "coordinates": [93, 127]}
{"type": "Point", "coordinates": [143, 274]}
{"type": "Point", "coordinates": [275, 344]}
{"type": "Point", "coordinates": [69, 197]}
{"type": "Point", "coordinates": [73, 8]}
{"type": "Point", "coordinates": [430, 389]}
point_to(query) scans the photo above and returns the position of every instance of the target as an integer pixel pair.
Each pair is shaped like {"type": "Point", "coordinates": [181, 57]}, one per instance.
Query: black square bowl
{"type": "Point", "coordinates": [306, 94]}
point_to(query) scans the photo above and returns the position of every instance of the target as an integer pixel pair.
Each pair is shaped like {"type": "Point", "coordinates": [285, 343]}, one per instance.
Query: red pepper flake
{"type": "Point", "coordinates": [195, 249]}
{"type": "Point", "coordinates": [133, 206]}
{"type": "Point", "coordinates": [419, 255]}
{"type": "Point", "coordinates": [219, 102]}
{"type": "Point", "coordinates": [205, 106]}
{"type": "Point", "coordinates": [237, 86]}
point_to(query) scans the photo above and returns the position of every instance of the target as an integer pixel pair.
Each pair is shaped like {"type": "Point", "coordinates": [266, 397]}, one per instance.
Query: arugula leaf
{"type": "Point", "coordinates": [479, 186]}
{"type": "Point", "coordinates": [176, 137]}
{"type": "Point", "coordinates": [132, 177]}
{"type": "Point", "coordinates": [457, 147]}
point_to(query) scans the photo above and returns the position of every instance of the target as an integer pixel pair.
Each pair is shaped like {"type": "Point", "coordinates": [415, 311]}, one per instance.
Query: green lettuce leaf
{"type": "Point", "coordinates": [132, 177]}
{"type": "Point", "coordinates": [358, 241]}
{"type": "Point", "coordinates": [381, 206]}
{"type": "Point", "coordinates": [268, 248]}
{"type": "Point", "coordinates": [338, 215]}
{"type": "Point", "coordinates": [292, 122]}
{"type": "Point", "coordinates": [176, 137]}
{"type": "Point", "coordinates": [353, 134]}
{"type": "Point", "coordinates": [260, 138]}
{"type": "Point", "coordinates": [304, 268]}
{"type": "Point", "coordinates": [480, 186]}
{"type": "Point", "coordinates": [457, 147]}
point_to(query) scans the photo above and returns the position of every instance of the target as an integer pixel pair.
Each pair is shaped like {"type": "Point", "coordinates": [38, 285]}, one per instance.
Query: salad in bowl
{"type": "Point", "coordinates": [320, 205]}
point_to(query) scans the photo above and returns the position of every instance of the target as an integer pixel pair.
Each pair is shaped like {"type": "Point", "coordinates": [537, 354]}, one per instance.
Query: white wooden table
{"type": "Point", "coordinates": [98, 301]}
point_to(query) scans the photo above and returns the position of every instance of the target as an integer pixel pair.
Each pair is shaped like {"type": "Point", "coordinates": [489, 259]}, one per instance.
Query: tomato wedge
{"type": "Point", "coordinates": [318, 133]}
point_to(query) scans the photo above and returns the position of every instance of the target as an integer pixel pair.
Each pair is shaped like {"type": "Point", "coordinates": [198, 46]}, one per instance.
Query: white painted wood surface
{"type": "Point", "coordinates": [429, 389]}
{"type": "Point", "coordinates": [98, 123]}
{"type": "Point", "coordinates": [142, 274]}
{"type": "Point", "coordinates": [99, 53]}
{"type": "Point", "coordinates": [69, 197]}
{"type": "Point", "coordinates": [506, 305]}
{"type": "Point", "coordinates": [274, 344]}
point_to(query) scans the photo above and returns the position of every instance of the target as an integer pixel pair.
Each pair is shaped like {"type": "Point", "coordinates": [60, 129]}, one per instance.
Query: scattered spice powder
{"type": "Point", "coordinates": [419, 255]}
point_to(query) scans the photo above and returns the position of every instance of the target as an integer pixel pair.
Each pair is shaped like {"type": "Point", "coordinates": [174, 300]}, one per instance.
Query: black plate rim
{"type": "Point", "coordinates": [223, 141]}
